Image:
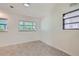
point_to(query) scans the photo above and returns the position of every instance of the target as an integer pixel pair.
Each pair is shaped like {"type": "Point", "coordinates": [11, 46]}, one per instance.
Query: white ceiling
{"type": "Point", "coordinates": [35, 9]}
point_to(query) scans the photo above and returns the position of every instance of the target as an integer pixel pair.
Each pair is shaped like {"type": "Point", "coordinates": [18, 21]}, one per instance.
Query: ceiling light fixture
{"type": "Point", "coordinates": [26, 4]}
{"type": "Point", "coordinates": [11, 6]}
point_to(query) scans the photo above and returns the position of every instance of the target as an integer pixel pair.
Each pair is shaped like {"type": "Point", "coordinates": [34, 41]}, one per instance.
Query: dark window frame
{"type": "Point", "coordinates": [70, 18]}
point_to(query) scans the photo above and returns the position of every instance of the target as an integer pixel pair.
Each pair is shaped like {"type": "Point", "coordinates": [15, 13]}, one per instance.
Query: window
{"type": "Point", "coordinates": [27, 26]}
{"type": "Point", "coordinates": [3, 24]}
{"type": "Point", "coordinates": [71, 20]}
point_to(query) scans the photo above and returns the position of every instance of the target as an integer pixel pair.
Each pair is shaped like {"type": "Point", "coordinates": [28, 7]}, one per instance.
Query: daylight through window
{"type": "Point", "coordinates": [27, 26]}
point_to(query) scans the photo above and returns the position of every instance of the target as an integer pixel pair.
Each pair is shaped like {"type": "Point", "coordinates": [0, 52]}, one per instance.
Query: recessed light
{"type": "Point", "coordinates": [26, 4]}
{"type": "Point", "coordinates": [11, 6]}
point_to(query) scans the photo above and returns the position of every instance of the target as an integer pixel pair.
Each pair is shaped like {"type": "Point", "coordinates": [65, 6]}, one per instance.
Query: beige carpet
{"type": "Point", "coordinates": [35, 48]}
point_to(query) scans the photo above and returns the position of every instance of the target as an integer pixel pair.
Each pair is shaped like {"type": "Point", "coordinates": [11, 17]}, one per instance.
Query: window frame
{"type": "Point", "coordinates": [5, 25]}
{"type": "Point", "coordinates": [27, 30]}
{"type": "Point", "coordinates": [70, 18]}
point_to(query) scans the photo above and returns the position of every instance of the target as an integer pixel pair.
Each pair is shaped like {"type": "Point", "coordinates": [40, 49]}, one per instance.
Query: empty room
{"type": "Point", "coordinates": [39, 29]}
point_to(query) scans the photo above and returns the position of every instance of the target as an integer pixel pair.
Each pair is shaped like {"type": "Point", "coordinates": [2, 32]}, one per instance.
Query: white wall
{"type": "Point", "coordinates": [53, 33]}
{"type": "Point", "coordinates": [20, 12]}
{"type": "Point", "coordinates": [13, 36]}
